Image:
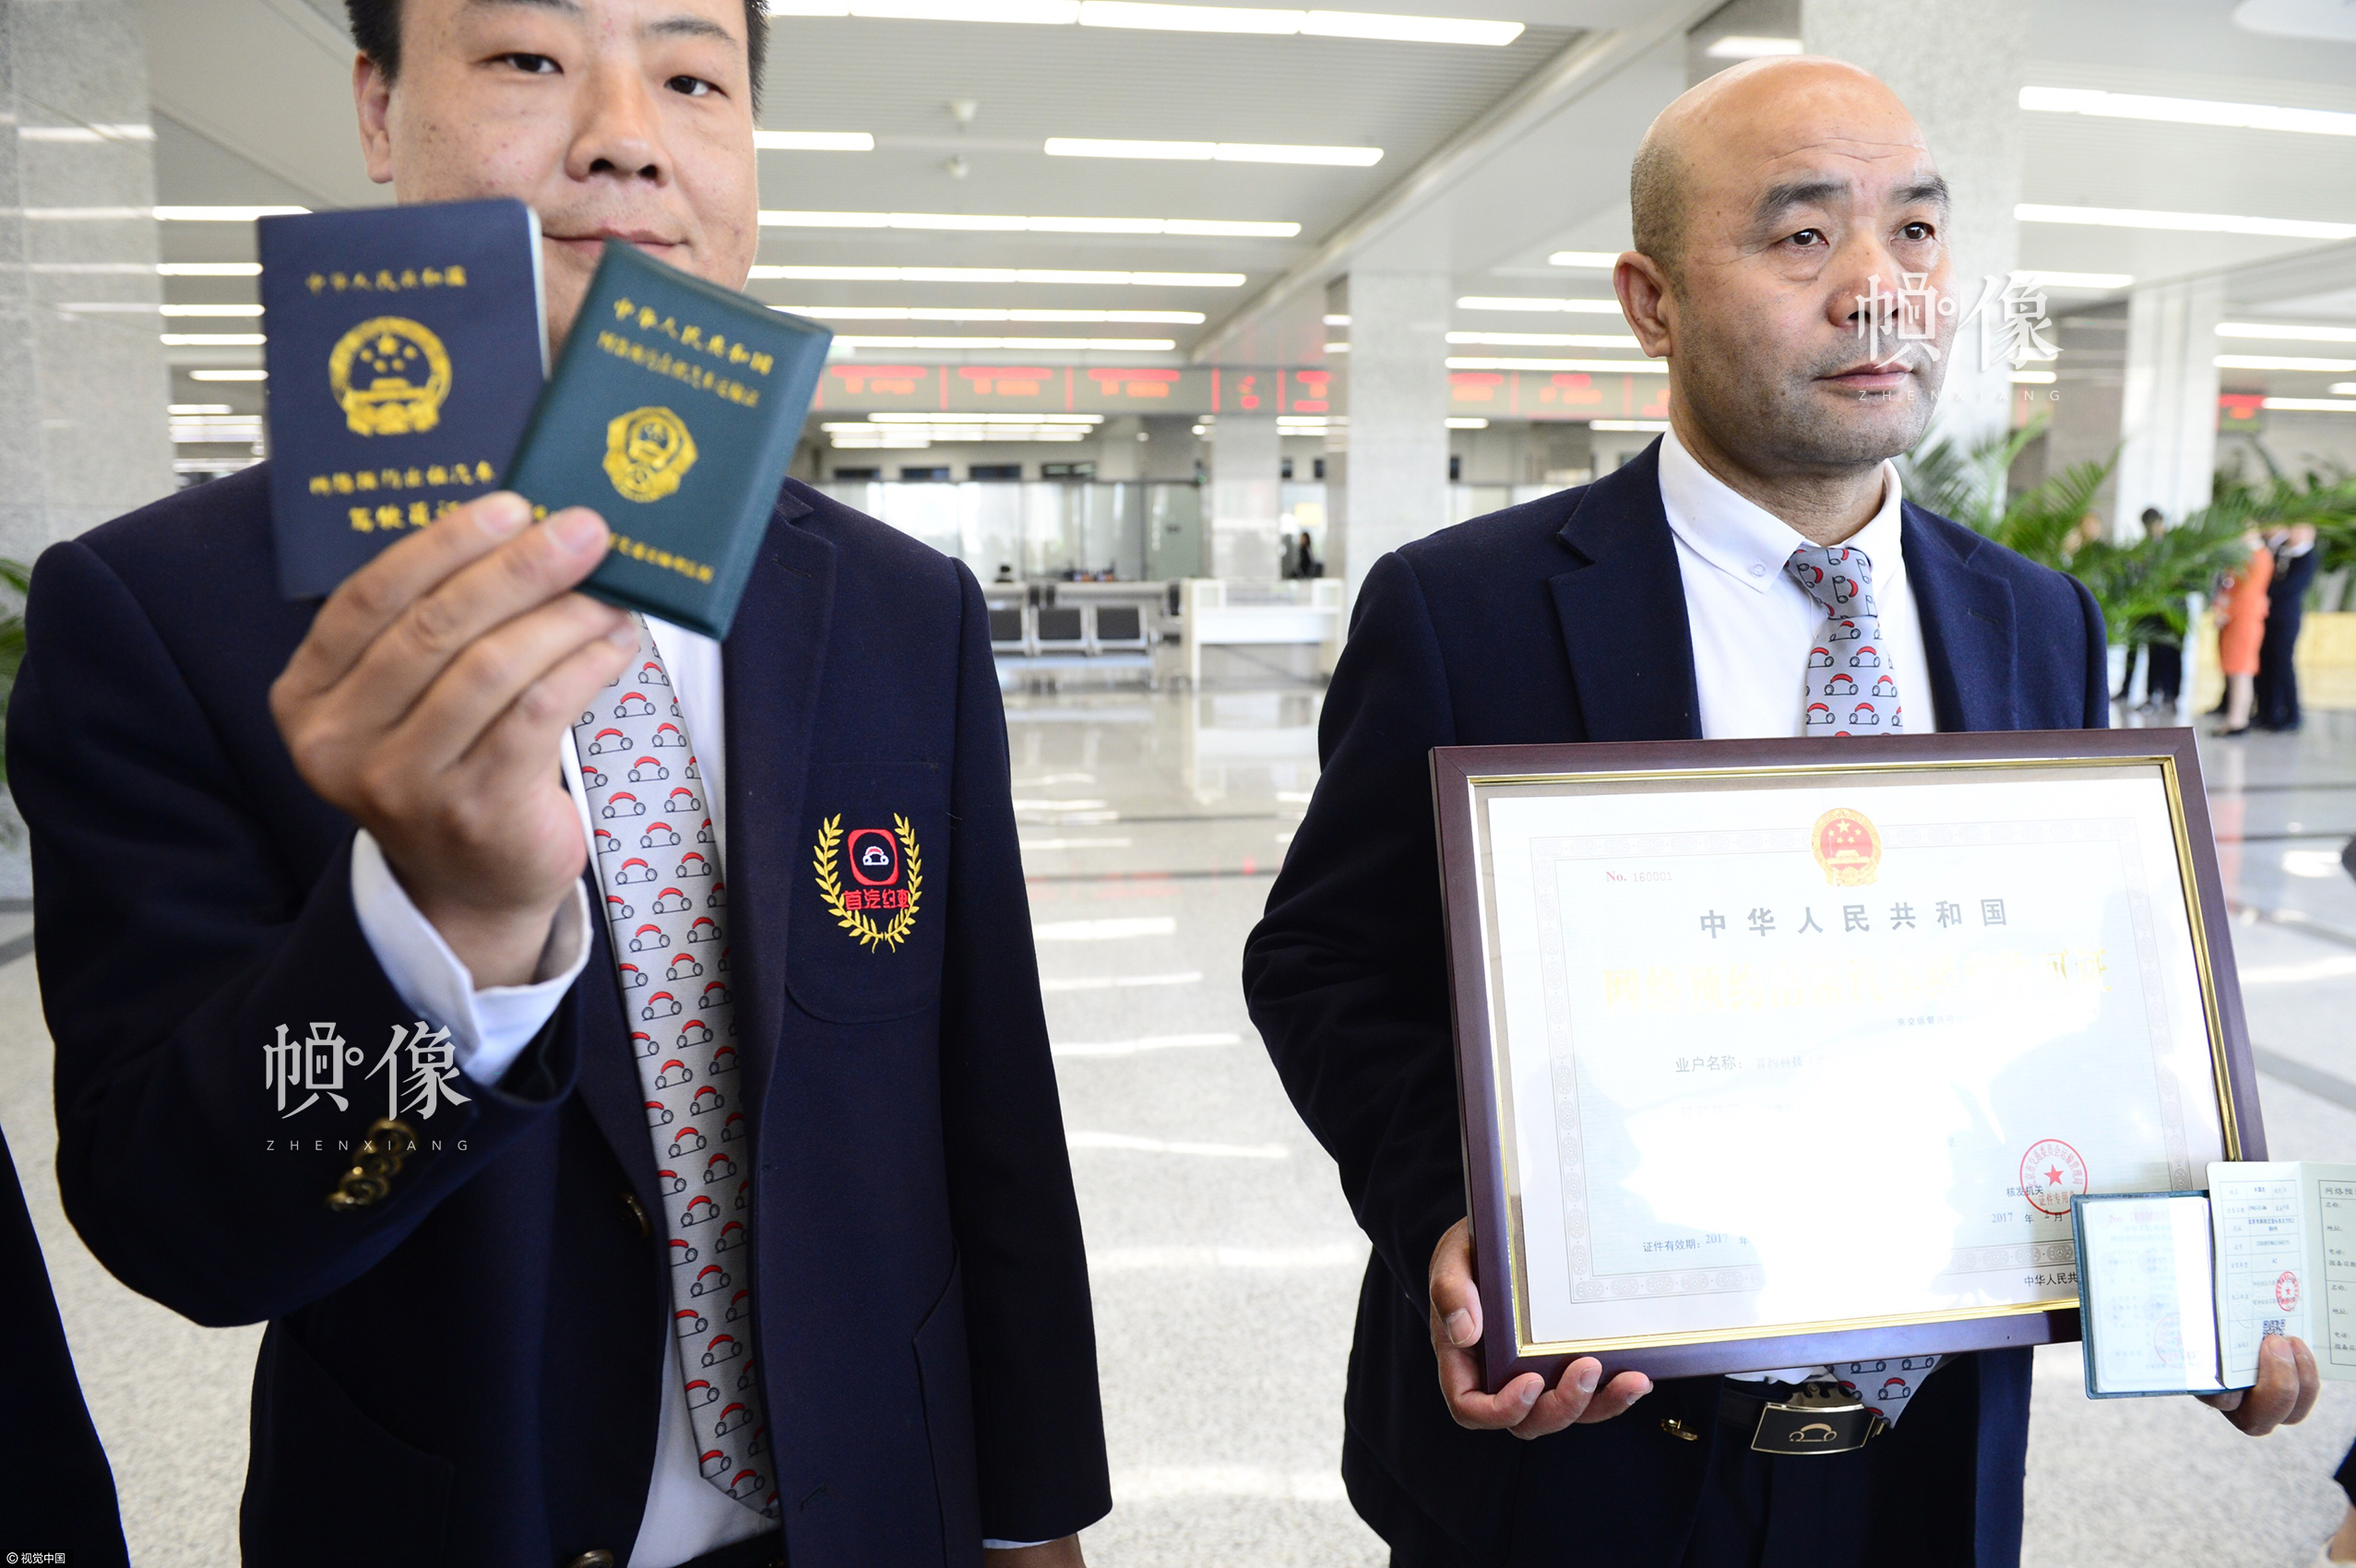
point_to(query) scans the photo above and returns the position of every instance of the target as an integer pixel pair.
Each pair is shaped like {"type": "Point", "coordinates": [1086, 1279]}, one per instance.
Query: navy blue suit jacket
{"type": "Point", "coordinates": [59, 1494]}
{"type": "Point", "coordinates": [1565, 620]}
{"type": "Point", "coordinates": [468, 1372]}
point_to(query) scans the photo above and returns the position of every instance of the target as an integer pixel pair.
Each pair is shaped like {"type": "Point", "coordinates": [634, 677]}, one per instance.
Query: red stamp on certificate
{"type": "Point", "coordinates": [2286, 1290]}
{"type": "Point", "coordinates": [2051, 1173]}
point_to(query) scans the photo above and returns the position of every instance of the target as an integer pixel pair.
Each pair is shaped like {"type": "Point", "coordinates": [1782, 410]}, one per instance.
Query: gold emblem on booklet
{"type": "Point", "coordinates": [390, 375]}
{"type": "Point", "coordinates": [1848, 847]}
{"type": "Point", "coordinates": [648, 452]}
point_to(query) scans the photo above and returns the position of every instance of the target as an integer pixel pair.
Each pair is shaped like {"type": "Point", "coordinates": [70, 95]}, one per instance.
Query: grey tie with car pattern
{"type": "Point", "coordinates": [1850, 684]}
{"type": "Point", "coordinates": [658, 864]}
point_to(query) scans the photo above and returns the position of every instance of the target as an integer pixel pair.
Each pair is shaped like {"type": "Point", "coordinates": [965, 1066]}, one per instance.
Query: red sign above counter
{"type": "Point", "coordinates": [852, 387]}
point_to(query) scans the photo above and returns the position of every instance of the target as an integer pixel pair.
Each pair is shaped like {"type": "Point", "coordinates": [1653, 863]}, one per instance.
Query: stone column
{"type": "Point", "coordinates": [1958, 64]}
{"type": "Point", "coordinates": [1397, 473]}
{"type": "Point", "coordinates": [83, 386]}
{"type": "Point", "coordinates": [2168, 403]}
{"type": "Point", "coordinates": [1120, 454]}
{"type": "Point", "coordinates": [1246, 496]}
{"type": "Point", "coordinates": [84, 434]}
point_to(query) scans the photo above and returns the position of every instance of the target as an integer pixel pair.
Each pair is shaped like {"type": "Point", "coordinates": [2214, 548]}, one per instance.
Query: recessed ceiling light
{"type": "Point", "coordinates": [199, 408]}
{"type": "Point", "coordinates": [2343, 387]}
{"type": "Point", "coordinates": [1547, 340]}
{"type": "Point", "coordinates": [228, 375]}
{"type": "Point", "coordinates": [1468, 424]}
{"type": "Point", "coordinates": [1636, 367]}
{"type": "Point", "coordinates": [2105, 280]}
{"type": "Point", "coordinates": [223, 214]}
{"type": "Point", "coordinates": [210, 310]}
{"type": "Point", "coordinates": [1337, 321]}
{"type": "Point", "coordinates": [1493, 301]}
{"type": "Point", "coordinates": [813, 141]}
{"type": "Point", "coordinates": [2187, 222]}
{"type": "Point", "coordinates": [1058, 276]}
{"type": "Point", "coordinates": [1137, 345]}
{"type": "Point", "coordinates": [1606, 260]}
{"type": "Point", "coordinates": [1627, 424]}
{"type": "Point", "coordinates": [2310, 405]}
{"type": "Point", "coordinates": [1337, 347]}
{"type": "Point", "coordinates": [209, 269]}
{"type": "Point", "coordinates": [2188, 111]}
{"type": "Point", "coordinates": [957, 313]}
{"type": "Point", "coordinates": [2280, 361]}
{"type": "Point", "coordinates": [1750, 46]}
{"type": "Point", "coordinates": [985, 222]}
{"type": "Point", "coordinates": [2285, 331]}
{"type": "Point", "coordinates": [2033, 377]}
{"type": "Point", "coordinates": [1167, 18]}
{"type": "Point", "coordinates": [1214, 151]}
{"type": "Point", "coordinates": [255, 340]}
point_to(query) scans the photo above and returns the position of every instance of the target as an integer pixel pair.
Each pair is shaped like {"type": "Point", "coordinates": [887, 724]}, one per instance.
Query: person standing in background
{"type": "Point", "coordinates": [2296, 559]}
{"type": "Point", "coordinates": [2242, 611]}
{"type": "Point", "coordinates": [2163, 655]}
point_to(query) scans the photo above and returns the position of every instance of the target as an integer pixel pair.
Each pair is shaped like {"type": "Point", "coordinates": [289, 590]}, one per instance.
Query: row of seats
{"type": "Point", "coordinates": [1030, 630]}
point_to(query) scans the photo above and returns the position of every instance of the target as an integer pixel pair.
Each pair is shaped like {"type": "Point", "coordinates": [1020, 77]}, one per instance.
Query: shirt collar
{"type": "Point", "coordinates": [1750, 543]}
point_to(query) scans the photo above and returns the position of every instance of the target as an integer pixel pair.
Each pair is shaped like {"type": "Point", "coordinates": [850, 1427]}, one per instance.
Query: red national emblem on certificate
{"type": "Point", "coordinates": [2049, 1172]}
{"type": "Point", "coordinates": [2286, 1290]}
{"type": "Point", "coordinates": [1848, 846]}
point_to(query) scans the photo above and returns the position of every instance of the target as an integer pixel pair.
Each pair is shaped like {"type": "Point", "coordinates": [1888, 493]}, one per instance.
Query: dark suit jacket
{"type": "Point", "coordinates": [1565, 620]}
{"type": "Point", "coordinates": [59, 1494]}
{"type": "Point", "coordinates": [468, 1372]}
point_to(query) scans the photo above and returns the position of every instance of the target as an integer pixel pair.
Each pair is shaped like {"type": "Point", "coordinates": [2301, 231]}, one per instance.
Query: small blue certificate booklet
{"type": "Point", "coordinates": [405, 351]}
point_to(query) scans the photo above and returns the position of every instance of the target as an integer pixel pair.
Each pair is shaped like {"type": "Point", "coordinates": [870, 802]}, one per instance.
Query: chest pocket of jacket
{"type": "Point", "coordinates": [870, 901]}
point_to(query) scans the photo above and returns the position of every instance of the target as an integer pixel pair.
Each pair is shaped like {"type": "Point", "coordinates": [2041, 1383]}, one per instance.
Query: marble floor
{"type": "Point", "coordinates": [1224, 1260]}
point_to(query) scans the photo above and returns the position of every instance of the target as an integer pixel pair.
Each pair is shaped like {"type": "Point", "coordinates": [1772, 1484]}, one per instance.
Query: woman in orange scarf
{"type": "Point", "coordinates": [2242, 627]}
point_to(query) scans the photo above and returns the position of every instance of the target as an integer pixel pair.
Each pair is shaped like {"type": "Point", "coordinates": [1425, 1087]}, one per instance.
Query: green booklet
{"type": "Point", "coordinates": [672, 414]}
{"type": "Point", "coordinates": [2178, 1290]}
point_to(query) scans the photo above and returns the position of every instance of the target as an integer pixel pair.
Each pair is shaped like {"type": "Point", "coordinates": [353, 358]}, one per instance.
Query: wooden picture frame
{"type": "Point", "coordinates": [2222, 1114]}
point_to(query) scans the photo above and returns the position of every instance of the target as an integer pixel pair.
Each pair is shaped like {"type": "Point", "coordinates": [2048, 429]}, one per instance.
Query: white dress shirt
{"type": "Point", "coordinates": [1742, 606]}
{"type": "Point", "coordinates": [686, 1514]}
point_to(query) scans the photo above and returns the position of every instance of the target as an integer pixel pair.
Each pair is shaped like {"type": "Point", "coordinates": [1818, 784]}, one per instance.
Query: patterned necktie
{"type": "Point", "coordinates": [659, 865]}
{"type": "Point", "coordinates": [1850, 687]}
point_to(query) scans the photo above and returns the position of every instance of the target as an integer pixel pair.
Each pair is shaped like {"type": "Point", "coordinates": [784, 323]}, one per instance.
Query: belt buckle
{"type": "Point", "coordinates": [1819, 1417]}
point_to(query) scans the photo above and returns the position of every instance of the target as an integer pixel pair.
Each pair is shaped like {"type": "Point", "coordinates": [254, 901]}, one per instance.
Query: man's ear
{"type": "Point", "coordinates": [1647, 301]}
{"type": "Point", "coordinates": [372, 96]}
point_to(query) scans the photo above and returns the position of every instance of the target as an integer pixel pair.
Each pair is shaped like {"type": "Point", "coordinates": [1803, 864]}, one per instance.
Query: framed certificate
{"type": "Point", "coordinates": [1774, 1054]}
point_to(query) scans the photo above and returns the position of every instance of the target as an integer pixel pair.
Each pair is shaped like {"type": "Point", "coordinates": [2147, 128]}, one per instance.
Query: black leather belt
{"type": "Point", "coordinates": [1814, 1418]}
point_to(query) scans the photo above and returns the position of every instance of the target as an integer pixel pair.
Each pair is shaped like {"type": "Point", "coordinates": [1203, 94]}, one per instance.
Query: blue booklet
{"type": "Point", "coordinates": [672, 414]}
{"type": "Point", "coordinates": [405, 351]}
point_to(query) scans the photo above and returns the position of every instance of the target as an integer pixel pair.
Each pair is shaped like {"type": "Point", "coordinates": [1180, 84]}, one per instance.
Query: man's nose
{"type": "Point", "coordinates": [617, 132]}
{"type": "Point", "coordinates": [1865, 281]}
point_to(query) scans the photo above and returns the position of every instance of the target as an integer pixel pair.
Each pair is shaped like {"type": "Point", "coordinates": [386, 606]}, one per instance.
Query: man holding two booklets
{"type": "Point", "coordinates": [733, 1227]}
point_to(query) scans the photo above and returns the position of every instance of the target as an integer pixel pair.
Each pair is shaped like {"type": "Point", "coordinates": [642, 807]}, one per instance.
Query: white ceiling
{"type": "Point", "coordinates": [252, 105]}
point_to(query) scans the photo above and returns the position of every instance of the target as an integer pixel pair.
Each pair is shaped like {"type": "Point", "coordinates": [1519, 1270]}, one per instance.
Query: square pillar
{"type": "Point", "coordinates": [83, 385]}
{"type": "Point", "coordinates": [1247, 463]}
{"type": "Point", "coordinates": [1394, 481]}
{"type": "Point", "coordinates": [1959, 66]}
{"type": "Point", "coordinates": [2168, 403]}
